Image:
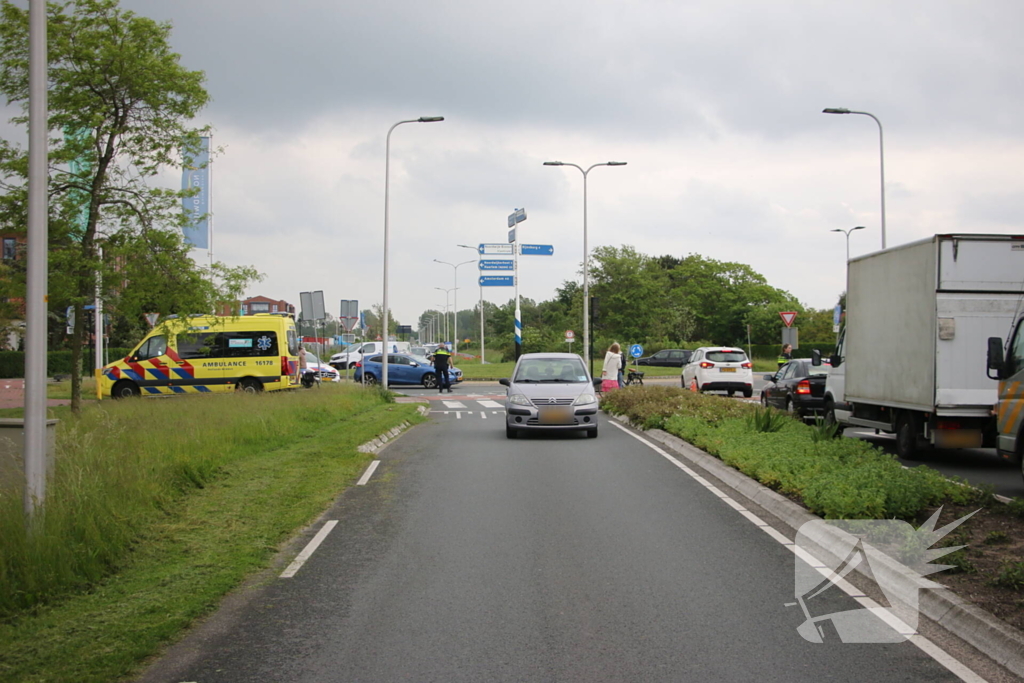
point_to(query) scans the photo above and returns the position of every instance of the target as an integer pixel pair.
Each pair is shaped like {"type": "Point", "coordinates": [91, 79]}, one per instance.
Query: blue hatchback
{"type": "Point", "coordinates": [403, 368]}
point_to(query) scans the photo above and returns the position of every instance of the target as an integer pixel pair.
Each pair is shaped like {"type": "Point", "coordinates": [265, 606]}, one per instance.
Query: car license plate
{"type": "Point", "coordinates": [557, 415]}
{"type": "Point", "coordinates": [728, 369]}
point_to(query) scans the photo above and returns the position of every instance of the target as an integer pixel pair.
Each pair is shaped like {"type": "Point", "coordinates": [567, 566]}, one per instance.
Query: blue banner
{"type": "Point", "coordinates": [195, 175]}
{"type": "Point", "coordinates": [497, 281]}
{"type": "Point", "coordinates": [496, 264]}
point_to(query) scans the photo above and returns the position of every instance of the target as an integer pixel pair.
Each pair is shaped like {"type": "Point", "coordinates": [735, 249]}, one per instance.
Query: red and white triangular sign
{"type": "Point", "coordinates": [788, 317]}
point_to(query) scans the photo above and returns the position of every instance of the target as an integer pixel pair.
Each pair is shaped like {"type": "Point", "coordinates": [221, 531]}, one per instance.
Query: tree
{"type": "Point", "coordinates": [119, 111]}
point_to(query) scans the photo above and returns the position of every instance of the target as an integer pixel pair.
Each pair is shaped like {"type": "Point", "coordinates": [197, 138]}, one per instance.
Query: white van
{"type": "Point", "coordinates": [354, 352]}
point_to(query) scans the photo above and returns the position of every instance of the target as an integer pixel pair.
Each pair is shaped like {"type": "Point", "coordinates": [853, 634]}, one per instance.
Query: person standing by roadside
{"type": "Point", "coordinates": [622, 369]}
{"type": "Point", "coordinates": [610, 370]}
{"type": "Point", "coordinates": [786, 355]}
{"type": "Point", "coordinates": [442, 363]}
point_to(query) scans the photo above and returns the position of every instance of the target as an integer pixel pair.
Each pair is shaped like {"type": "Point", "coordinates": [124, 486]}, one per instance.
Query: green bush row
{"type": "Point", "coordinates": [835, 478]}
{"type": "Point", "coordinates": [12, 363]}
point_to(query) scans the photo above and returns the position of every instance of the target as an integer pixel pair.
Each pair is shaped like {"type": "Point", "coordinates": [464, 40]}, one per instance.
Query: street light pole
{"type": "Point", "coordinates": [586, 255]}
{"type": "Point", "coordinates": [455, 319]}
{"type": "Point", "coordinates": [847, 233]}
{"type": "Point", "coordinates": [387, 189]}
{"type": "Point", "coordinates": [447, 292]}
{"type": "Point", "coordinates": [881, 153]}
{"type": "Point", "coordinates": [483, 358]}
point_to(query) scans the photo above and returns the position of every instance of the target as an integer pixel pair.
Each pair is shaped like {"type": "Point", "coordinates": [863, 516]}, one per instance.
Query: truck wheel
{"type": "Point", "coordinates": [830, 418]}
{"type": "Point", "coordinates": [906, 437]}
{"type": "Point", "coordinates": [125, 389]}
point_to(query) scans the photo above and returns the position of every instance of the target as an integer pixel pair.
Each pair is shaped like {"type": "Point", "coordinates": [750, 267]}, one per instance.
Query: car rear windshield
{"type": "Point", "coordinates": [726, 356]}
{"type": "Point", "coordinates": [560, 370]}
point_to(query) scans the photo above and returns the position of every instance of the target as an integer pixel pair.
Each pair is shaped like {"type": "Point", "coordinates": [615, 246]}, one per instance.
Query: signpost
{"type": "Point", "coordinates": [837, 316]}
{"type": "Point", "coordinates": [570, 337]}
{"type": "Point", "coordinates": [495, 249]}
{"type": "Point", "coordinates": [788, 317]}
{"type": "Point", "coordinates": [497, 281]}
{"type": "Point", "coordinates": [636, 350]}
{"type": "Point", "coordinates": [536, 249]}
{"type": "Point", "coordinates": [349, 314]}
{"type": "Point", "coordinates": [497, 264]}
{"type": "Point", "coordinates": [517, 216]}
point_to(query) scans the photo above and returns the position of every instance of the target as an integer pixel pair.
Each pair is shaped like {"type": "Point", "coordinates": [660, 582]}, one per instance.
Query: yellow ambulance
{"type": "Point", "coordinates": [1009, 370]}
{"type": "Point", "coordinates": [205, 354]}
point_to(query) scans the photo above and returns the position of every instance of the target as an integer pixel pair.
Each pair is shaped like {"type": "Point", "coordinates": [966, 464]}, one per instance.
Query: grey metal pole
{"type": "Point", "coordinates": [881, 153]}
{"type": "Point", "coordinates": [37, 267]}
{"type": "Point", "coordinates": [387, 176]}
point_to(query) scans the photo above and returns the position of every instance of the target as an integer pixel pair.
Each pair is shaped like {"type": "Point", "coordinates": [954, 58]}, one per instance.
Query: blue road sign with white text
{"type": "Point", "coordinates": [536, 249]}
{"type": "Point", "coordinates": [497, 281]}
{"type": "Point", "coordinates": [496, 264]}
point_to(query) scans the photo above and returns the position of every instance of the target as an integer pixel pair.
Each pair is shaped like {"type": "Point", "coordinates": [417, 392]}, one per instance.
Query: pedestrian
{"type": "Point", "coordinates": [786, 355]}
{"type": "Point", "coordinates": [610, 370]}
{"type": "Point", "coordinates": [622, 369]}
{"type": "Point", "coordinates": [442, 363]}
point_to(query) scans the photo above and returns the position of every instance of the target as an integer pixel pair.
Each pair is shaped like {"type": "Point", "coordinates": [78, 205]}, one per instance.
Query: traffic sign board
{"type": "Point", "coordinates": [788, 317]}
{"type": "Point", "coordinates": [495, 264]}
{"type": "Point", "coordinates": [636, 350]}
{"type": "Point", "coordinates": [569, 335]}
{"type": "Point", "coordinates": [511, 235]}
{"type": "Point", "coordinates": [837, 314]}
{"type": "Point", "coordinates": [497, 281]}
{"type": "Point", "coordinates": [517, 216]}
{"type": "Point", "coordinates": [496, 249]}
{"type": "Point", "coordinates": [536, 249]}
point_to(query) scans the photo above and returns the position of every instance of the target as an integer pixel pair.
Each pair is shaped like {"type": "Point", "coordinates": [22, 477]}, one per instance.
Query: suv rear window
{"type": "Point", "coordinates": [726, 356]}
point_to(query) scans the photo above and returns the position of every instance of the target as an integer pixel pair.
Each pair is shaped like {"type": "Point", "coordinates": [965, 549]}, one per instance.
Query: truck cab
{"type": "Point", "coordinates": [1008, 368]}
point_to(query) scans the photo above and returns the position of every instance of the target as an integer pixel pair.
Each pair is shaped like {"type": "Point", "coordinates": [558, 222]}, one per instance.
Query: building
{"type": "Point", "coordinates": [12, 309]}
{"type": "Point", "coordinates": [259, 304]}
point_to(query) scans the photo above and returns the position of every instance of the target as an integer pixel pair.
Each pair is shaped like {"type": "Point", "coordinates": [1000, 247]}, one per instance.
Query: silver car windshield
{"type": "Point", "coordinates": [552, 370]}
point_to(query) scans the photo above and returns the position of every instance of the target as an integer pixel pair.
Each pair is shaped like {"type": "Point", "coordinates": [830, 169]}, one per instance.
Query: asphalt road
{"type": "Point", "coordinates": [470, 557]}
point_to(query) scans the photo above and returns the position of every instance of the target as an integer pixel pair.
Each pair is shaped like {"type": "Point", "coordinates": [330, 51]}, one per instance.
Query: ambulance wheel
{"type": "Point", "coordinates": [125, 389]}
{"type": "Point", "coordinates": [249, 386]}
{"type": "Point", "coordinates": [430, 380]}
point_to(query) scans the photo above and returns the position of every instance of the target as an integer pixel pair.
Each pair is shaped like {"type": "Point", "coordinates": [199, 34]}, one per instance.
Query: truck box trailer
{"type": "Point", "coordinates": [912, 357]}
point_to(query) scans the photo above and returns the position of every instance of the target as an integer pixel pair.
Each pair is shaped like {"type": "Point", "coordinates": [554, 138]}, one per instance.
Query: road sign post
{"type": "Point", "coordinates": [788, 317]}
{"type": "Point", "coordinates": [514, 218]}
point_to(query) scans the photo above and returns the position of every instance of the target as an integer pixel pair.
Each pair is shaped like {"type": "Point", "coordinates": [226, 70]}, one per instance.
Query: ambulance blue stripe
{"type": "Point", "coordinates": [203, 390]}
{"type": "Point", "coordinates": [178, 390]}
{"type": "Point", "coordinates": [158, 374]}
{"type": "Point", "coordinates": [181, 373]}
{"type": "Point", "coordinates": [133, 375]}
{"type": "Point", "coordinates": [152, 390]}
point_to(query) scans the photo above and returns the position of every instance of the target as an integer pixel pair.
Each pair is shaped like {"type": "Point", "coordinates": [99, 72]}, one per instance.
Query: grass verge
{"type": "Point", "coordinates": [226, 479]}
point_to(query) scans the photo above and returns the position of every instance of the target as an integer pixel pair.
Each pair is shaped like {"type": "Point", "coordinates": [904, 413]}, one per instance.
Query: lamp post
{"type": "Point", "coordinates": [847, 233]}
{"type": "Point", "coordinates": [447, 292]}
{"type": "Point", "coordinates": [483, 358]}
{"type": "Point", "coordinates": [586, 254]}
{"type": "Point", "coordinates": [881, 153]}
{"type": "Point", "coordinates": [455, 302]}
{"type": "Point", "coordinates": [387, 189]}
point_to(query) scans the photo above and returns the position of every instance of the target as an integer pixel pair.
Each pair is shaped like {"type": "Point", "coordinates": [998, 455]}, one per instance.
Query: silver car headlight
{"type": "Point", "coordinates": [585, 399]}
{"type": "Point", "coordinates": [519, 400]}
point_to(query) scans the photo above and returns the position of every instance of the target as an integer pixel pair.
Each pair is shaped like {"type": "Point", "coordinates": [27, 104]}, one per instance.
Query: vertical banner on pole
{"type": "Point", "coordinates": [195, 176]}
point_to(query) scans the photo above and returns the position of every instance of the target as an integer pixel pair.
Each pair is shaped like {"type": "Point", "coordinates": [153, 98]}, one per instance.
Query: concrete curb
{"type": "Point", "coordinates": [998, 640]}
{"type": "Point", "coordinates": [374, 445]}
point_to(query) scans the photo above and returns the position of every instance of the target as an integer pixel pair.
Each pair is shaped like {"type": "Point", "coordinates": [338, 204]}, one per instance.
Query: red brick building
{"type": "Point", "coordinates": [259, 304]}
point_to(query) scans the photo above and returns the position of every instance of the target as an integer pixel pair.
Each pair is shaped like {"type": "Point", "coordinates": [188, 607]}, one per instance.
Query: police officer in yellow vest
{"type": "Point", "coordinates": [442, 363]}
{"type": "Point", "coordinates": [786, 355]}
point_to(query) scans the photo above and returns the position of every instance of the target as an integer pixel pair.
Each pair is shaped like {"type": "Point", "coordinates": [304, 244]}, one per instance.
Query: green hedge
{"type": "Point", "coordinates": [834, 478]}
{"type": "Point", "coordinates": [12, 363]}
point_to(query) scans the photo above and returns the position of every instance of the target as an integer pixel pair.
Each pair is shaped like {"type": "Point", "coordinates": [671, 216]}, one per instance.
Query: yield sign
{"type": "Point", "coordinates": [788, 317]}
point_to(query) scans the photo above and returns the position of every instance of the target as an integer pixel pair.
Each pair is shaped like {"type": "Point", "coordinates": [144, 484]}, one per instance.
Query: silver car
{"type": "Point", "coordinates": [550, 392]}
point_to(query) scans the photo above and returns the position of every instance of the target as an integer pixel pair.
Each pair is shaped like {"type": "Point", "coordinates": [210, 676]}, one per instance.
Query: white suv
{"type": "Point", "coordinates": [719, 368]}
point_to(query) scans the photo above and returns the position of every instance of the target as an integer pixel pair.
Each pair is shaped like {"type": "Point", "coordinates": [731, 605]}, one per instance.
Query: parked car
{"type": "Point", "coordinates": [403, 368]}
{"type": "Point", "coordinates": [667, 358]}
{"type": "Point", "coordinates": [719, 368]}
{"type": "Point", "coordinates": [360, 350]}
{"type": "Point", "coordinates": [321, 370]}
{"type": "Point", "coordinates": [550, 392]}
{"type": "Point", "coordinates": [798, 388]}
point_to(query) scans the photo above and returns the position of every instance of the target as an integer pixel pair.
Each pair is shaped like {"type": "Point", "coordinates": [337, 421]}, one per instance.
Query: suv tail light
{"type": "Point", "coordinates": [804, 387]}
{"type": "Point", "coordinates": [357, 365]}
{"type": "Point", "coordinates": [705, 364]}
{"type": "Point", "coordinates": [747, 365]}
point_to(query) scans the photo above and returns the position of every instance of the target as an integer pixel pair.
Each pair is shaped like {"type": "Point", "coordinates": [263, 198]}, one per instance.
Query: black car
{"type": "Point", "coordinates": [667, 358]}
{"type": "Point", "coordinates": [798, 388]}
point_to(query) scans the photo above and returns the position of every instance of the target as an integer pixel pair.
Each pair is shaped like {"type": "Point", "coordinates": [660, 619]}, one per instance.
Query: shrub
{"type": "Point", "coordinates": [1011, 575]}
{"type": "Point", "coordinates": [766, 420]}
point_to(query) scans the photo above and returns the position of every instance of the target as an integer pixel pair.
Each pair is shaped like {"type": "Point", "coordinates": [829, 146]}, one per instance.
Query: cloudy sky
{"type": "Point", "coordinates": [715, 105]}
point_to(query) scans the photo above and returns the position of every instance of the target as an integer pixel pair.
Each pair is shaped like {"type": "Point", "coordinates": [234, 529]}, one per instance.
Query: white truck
{"type": "Point", "coordinates": [912, 358]}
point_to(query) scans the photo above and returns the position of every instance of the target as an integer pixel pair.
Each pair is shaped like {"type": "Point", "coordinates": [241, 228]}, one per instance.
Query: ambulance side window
{"type": "Point", "coordinates": [293, 343]}
{"type": "Point", "coordinates": [1016, 356]}
{"type": "Point", "coordinates": [152, 348]}
{"type": "Point", "coordinates": [197, 345]}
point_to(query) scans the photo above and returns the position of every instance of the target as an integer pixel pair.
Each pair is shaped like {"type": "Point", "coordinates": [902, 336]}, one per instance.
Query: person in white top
{"type": "Point", "coordinates": [610, 371]}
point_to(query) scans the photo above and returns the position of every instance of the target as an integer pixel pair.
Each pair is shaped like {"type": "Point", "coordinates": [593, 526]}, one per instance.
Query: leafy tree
{"type": "Point", "coordinates": [119, 111]}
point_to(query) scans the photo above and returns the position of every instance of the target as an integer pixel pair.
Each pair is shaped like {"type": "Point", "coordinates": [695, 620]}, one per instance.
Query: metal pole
{"type": "Point", "coordinates": [37, 268]}
{"type": "Point", "coordinates": [881, 153]}
{"type": "Point", "coordinates": [515, 279]}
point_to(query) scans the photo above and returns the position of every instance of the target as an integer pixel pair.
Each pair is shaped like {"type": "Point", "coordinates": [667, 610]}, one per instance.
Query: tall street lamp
{"type": "Point", "coordinates": [447, 293]}
{"type": "Point", "coordinates": [881, 153]}
{"type": "Point", "coordinates": [586, 255]}
{"type": "Point", "coordinates": [455, 302]}
{"type": "Point", "coordinates": [847, 233]}
{"type": "Point", "coordinates": [483, 358]}
{"type": "Point", "coordinates": [387, 175]}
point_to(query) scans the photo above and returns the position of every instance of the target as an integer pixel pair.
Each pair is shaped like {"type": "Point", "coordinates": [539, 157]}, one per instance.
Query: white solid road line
{"type": "Point", "coordinates": [368, 473]}
{"type": "Point", "coordinates": [929, 648]}
{"type": "Point", "coordinates": [309, 549]}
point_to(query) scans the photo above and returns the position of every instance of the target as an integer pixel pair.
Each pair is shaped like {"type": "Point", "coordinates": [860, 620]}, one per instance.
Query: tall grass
{"type": "Point", "coordinates": [122, 463]}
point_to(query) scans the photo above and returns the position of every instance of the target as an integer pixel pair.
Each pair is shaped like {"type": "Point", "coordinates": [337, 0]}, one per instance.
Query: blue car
{"type": "Point", "coordinates": [403, 368]}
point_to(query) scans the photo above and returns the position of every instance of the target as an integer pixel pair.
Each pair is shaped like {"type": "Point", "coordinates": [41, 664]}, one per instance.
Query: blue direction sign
{"type": "Point", "coordinates": [497, 281]}
{"type": "Point", "coordinates": [536, 249]}
{"type": "Point", "coordinates": [495, 248]}
{"type": "Point", "coordinates": [496, 264]}
{"type": "Point", "coordinates": [636, 350]}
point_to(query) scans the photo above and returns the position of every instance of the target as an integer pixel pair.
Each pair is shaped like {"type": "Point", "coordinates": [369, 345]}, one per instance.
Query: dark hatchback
{"type": "Point", "coordinates": [667, 358]}
{"type": "Point", "coordinates": [798, 388]}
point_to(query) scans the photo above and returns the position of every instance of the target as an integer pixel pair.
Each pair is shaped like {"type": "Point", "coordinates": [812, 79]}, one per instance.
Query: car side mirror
{"type": "Point", "coordinates": [505, 382]}
{"type": "Point", "coordinates": [835, 361]}
{"type": "Point", "coordinates": [815, 357]}
{"type": "Point", "coordinates": [995, 358]}
{"type": "Point", "coordinates": [769, 378]}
